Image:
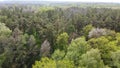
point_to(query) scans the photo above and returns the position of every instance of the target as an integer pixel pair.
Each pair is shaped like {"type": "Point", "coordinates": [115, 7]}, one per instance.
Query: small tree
{"type": "Point", "coordinates": [87, 29]}
{"type": "Point", "coordinates": [4, 31]}
{"type": "Point", "coordinates": [62, 41]}
{"type": "Point", "coordinates": [2, 59]}
{"type": "Point", "coordinates": [58, 55]}
{"type": "Point", "coordinates": [45, 48]}
{"type": "Point", "coordinates": [97, 32]}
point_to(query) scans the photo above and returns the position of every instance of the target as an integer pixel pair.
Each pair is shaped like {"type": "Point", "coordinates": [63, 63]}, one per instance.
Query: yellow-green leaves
{"type": "Point", "coordinates": [87, 29]}
{"type": "Point", "coordinates": [62, 41]}
{"type": "Point", "coordinates": [116, 58]}
{"type": "Point", "coordinates": [91, 59]}
{"type": "Point", "coordinates": [58, 55]}
{"type": "Point", "coordinates": [45, 63]}
{"type": "Point", "coordinates": [4, 30]}
{"type": "Point", "coordinates": [77, 47]}
{"type": "Point", "coordinates": [49, 63]}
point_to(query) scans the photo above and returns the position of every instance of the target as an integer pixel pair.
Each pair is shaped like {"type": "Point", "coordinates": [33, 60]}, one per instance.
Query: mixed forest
{"type": "Point", "coordinates": [35, 36]}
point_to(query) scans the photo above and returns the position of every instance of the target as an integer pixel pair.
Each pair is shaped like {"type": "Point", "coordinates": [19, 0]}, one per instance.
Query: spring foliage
{"type": "Point", "coordinates": [54, 36]}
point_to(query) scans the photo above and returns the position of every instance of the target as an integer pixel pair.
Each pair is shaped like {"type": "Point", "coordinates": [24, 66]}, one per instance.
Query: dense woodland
{"type": "Point", "coordinates": [38, 36]}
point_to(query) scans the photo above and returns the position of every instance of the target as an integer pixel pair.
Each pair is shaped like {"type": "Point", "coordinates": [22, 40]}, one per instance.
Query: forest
{"type": "Point", "coordinates": [39, 36]}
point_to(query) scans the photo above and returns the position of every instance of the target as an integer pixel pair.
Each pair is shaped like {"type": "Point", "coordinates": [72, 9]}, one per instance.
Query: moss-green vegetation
{"type": "Point", "coordinates": [59, 37]}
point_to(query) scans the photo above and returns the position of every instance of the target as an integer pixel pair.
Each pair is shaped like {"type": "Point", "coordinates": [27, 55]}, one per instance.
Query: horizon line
{"type": "Point", "coordinates": [58, 1]}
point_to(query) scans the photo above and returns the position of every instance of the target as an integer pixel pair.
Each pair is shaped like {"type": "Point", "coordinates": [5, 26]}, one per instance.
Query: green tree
{"type": "Point", "coordinates": [116, 59]}
{"type": "Point", "coordinates": [98, 42]}
{"type": "Point", "coordinates": [4, 30]}
{"type": "Point", "coordinates": [65, 64]}
{"type": "Point", "coordinates": [2, 59]}
{"type": "Point", "coordinates": [105, 46]}
{"type": "Point", "coordinates": [87, 29]}
{"type": "Point", "coordinates": [20, 48]}
{"type": "Point", "coordinates": [62, 41]}
{"type": "Point", "coordinates": [5, 33]}
{"type": "Point", "coordinates": [118, 39]}
{"type": "Point", "coordinates": [45, 63]}
{"type": "Point", "coordinates": [49, 63]}
{"type": "Point", "coordinates": [91, 59]}
{"type": "Point", "coordinates": [77, 47]}
{"type": "Point", "coordinates": [58, 54]}
{"type": "Point", "coordinates": [70, 28]}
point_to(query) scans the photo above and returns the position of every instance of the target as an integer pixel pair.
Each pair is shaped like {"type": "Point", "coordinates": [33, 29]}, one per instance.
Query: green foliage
{"type": "Point", "coordinates": [105, 46]}
{"type": "Point", "coordinates": [49, 63]}
{"type": "Point", "coordinates": [91, 59]}
{"type": "Point", "coordinates": [77, 47]}
{"type": "Point", "coordinates": [87, 29]}
{"type": "Point", "coordinates": [62, 41]}
{"type": "Point", "coordinates": [116, 59]}
{"type": "Point", "coordinates": [70, 28]}
{"type": "Point", "coordinates": [4, 31]}
{"type": "Point", "coordinates": [19, 49]}
{"type": "Point", "coordinates": [2, 59]}
{"type": "Point", "coordinates": [65, 64]}
{"type": "Point", "coordinates": [25, 27]}
{"type": "Point", "coordinates": [98, 42]}
{"type": "Point", "coordinates": [46, 8]}
{"type": "Point", "coordinates": [118, 39]}
{"type": "Point", "coordinates": [45, 63]}
{"type": "Point", "coordinates": [58, 55]}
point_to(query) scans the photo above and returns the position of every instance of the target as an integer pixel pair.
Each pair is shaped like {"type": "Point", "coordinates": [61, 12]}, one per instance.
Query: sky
{"type": "Point", "coordinates": [116, 1]}
{"type": "Point", "coordinates": [113, 1]}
